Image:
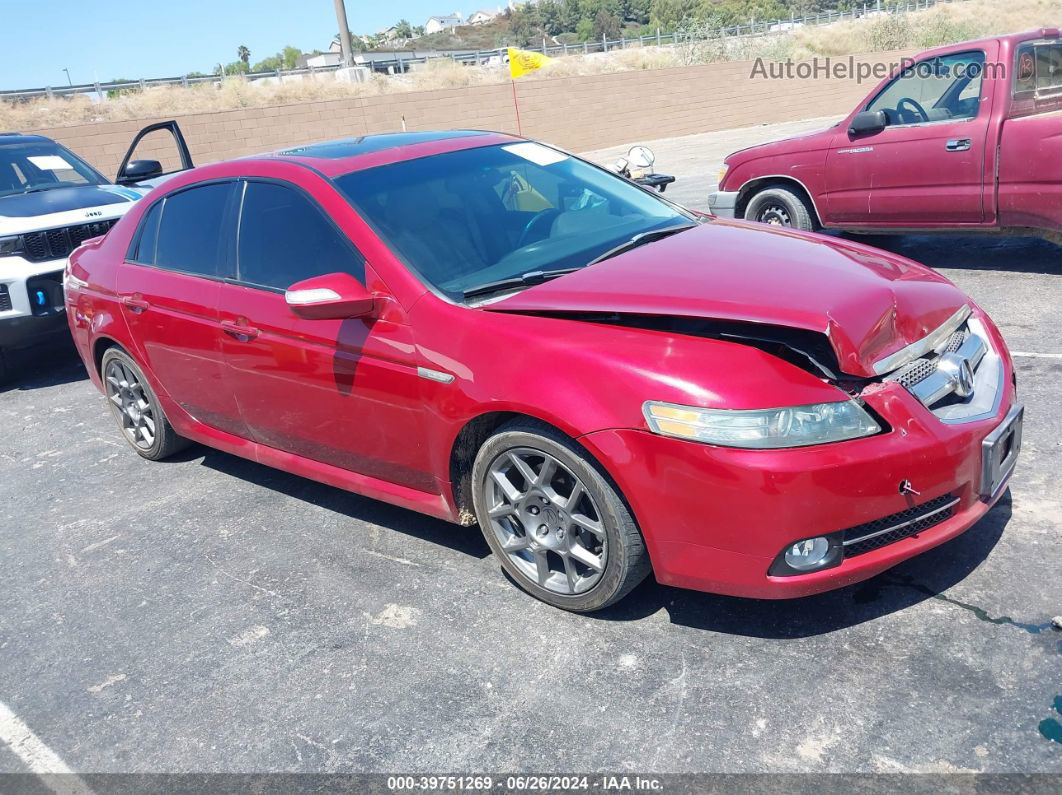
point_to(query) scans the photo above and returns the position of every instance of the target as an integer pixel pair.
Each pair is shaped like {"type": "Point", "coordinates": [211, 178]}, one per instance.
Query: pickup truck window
{"type": "Point", "coordinates": [939, 89]}
{"type": "Point", "coordinates": [1038, 70]}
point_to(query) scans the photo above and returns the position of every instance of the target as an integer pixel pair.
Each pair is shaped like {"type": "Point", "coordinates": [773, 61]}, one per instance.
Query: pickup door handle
{"type": "Point", "coordinates": [957, 144]}
{"type": "Point", "coordinates": [135, 303]}
{"type": "Point", "coordinates": [239, 330]}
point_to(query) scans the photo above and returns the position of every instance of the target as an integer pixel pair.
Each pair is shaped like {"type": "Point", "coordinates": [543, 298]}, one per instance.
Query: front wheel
{"type": "Point", "coordinates": [781, 207]}
{"type": "Point", "coordinates": [554, 521]}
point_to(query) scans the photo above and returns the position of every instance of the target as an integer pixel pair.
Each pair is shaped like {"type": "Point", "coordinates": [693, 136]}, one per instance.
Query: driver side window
{"type": "Point", "coordinates": [939, 89]}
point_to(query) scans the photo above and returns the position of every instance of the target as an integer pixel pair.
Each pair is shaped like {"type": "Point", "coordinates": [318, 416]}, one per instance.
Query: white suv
{"type": "Point", "coordinates": [51, 201]}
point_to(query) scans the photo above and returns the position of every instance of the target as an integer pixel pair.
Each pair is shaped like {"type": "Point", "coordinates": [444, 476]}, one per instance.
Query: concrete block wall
{"type": "Point", "coordinates": [576, 113]}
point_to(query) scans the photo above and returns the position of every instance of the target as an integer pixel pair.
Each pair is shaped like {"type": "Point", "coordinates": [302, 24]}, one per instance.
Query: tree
{"type": "Point", "coordinates": [290, 55]}
{"type": "Point", "coordinates": [403, 29]}
{"type": "Point", "coordinates": [243, 54]}
{"type": "Point", "coordinates": [606, 25]}
{"type": "Point", "coordinates": [270, 64]}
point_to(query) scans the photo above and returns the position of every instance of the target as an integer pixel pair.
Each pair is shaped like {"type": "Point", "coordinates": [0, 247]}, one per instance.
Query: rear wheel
{"type": "Point", "coordinates": [137, 409]}
{"type": "Point", "coordinates": [554, 521]}
{"type": "Point", "coordinates": [779, 206]}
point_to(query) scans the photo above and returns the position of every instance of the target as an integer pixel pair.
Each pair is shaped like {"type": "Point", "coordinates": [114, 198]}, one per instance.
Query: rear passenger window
{"type": "Point", "coordinates": [144, 247]}
{"type": "Point", "coordinates": [193, 236]}
{"type": "Point", "coordinates": [1038, 70]}
{"type": "Point", "coordinates": [285, 238]}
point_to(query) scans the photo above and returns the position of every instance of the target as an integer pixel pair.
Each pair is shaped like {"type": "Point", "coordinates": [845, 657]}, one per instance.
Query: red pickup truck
{"type": "Point", "coordinates": [962, 138]}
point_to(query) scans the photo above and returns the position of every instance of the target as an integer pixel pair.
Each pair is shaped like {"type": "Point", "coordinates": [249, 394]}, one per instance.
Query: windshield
{"type": "Point", "coordinates": [466, 219]}
{"type": "Point", "coordinates": [41, 165]}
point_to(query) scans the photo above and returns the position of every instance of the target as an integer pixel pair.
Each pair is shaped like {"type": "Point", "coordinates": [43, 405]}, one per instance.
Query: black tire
{"type": "Point", "coordinates": [3, 367]}
{"type": "Point", "coordinates": [781, 207]}
{"type": "Point", "coordinates": [164, 440]}
{"type": "Point", "coordinates": [626, 562]}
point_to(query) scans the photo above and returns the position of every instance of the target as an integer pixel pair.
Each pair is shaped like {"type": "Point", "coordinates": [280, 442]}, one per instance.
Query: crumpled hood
{"type": "Point", "coordinates": [867, 302]}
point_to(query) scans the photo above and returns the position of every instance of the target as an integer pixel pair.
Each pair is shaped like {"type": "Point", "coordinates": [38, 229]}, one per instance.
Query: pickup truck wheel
{"type": "Point", "coordinates": [137, 410]}
{"type": "Point", "coordinates": [780, 207]}
{"type": "Point", "coordinates": [554, 521]}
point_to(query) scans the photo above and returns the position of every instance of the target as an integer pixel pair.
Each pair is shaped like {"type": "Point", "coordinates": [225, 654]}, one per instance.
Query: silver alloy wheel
{"type": "Point", "coordinates": [546, 521]}
{"type": "Point", "coordinates": [775, 215]}
{"type": "Point", "coordinates": [131, 400]}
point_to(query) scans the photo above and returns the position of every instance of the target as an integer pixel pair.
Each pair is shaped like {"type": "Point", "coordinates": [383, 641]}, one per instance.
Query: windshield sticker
{"type": "Point", "coordinates": [49, 162]}
{"type": "Point", "coordinates": [537, 153]}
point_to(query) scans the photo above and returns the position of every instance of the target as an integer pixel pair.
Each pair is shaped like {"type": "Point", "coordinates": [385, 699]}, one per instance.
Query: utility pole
{"type": "Point", "coordinates": [68, 80]}
{"type": "Point", "coordinates": [345, 43]}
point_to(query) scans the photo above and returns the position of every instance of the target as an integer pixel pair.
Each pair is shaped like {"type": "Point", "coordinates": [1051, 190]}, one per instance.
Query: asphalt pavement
{"type": "Point", "coordinates": [212, 614]}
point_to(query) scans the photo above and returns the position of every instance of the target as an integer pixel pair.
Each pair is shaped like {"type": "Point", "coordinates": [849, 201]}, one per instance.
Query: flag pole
{"type": "Point", "coordinates": [516, 107]}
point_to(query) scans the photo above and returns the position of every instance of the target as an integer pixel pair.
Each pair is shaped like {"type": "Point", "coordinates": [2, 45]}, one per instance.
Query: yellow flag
{"type": "Point", "coordinates": [522, 62]}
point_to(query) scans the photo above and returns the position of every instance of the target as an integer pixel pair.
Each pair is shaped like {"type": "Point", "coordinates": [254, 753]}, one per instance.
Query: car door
{"type": "Point", "coordinates": [926, 168]}
{"type": "Point", "coordinates": [170, 156]}
{"type": "Point", "coordinates": [168, 290]}
{"type": "Point", "coordinates": [341, 392]}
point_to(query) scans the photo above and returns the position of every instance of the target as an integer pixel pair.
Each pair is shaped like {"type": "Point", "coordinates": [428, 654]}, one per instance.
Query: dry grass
{"type": "Point", "coordinates": [941, 25]}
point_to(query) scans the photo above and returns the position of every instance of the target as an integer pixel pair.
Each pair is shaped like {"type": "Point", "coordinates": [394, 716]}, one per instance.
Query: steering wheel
{"type": "Point", "coordinates": [914, 106]}
{"type": "Point", "coordinates": [539, 224]}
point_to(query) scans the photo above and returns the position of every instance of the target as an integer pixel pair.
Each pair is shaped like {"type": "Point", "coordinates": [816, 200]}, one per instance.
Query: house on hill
{"type": "Point", "coordinates": [439, 24]}
{"type": "Point", "coordinates": [482, 17]}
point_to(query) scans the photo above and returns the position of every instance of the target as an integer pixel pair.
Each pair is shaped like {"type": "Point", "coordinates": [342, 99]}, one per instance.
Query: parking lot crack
{"type": "Point", "coordinates": [249, 584]}
{"type": "Point", "coordinates": [978, 612]}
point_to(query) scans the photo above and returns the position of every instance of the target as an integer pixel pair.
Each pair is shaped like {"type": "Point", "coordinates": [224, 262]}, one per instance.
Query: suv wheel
{"type": "Point", "coordinates": [552, 518]}
{"type": "Point", "coordinates": [134, 405]}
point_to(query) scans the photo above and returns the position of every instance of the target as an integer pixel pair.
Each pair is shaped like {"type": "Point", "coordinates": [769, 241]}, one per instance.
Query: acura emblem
{"type": "Point", "coordinates": [959, 371]}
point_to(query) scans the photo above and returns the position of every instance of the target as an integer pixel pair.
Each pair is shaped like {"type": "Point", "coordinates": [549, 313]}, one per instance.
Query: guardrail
{"type": "Point", "coordinates": [394, 62]}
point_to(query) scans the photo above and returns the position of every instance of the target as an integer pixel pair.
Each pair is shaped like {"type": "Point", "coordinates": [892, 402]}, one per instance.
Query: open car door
{"type": "Point", "coordinates": [149, 173]}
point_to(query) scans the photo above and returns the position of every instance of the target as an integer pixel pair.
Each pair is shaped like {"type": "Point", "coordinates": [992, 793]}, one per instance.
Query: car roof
{"type": "Point", "coordinates": [1009, 40]}
{"type": "Point", "coordinates": [22, 138]}
{"type": "Point", "coordinates": [344, 155]}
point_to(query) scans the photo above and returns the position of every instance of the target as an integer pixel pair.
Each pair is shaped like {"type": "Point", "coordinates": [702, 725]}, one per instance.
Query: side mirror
{"type": "Point", "coordinates": [139, 170]}
{"type": "Point", "coordinates": [868, 122]}
{"type": "Point", "coordinates": [334, 296]}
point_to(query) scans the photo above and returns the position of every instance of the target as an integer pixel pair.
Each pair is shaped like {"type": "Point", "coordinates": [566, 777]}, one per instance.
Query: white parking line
{"type": "Point", "coordinates": [1032, 355]}
{"type": "Point", "coordinates": [38, 757]}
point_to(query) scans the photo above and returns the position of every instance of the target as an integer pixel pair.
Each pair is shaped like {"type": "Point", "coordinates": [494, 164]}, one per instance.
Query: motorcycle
{"type": "Point", "coordinates": [637, 167]}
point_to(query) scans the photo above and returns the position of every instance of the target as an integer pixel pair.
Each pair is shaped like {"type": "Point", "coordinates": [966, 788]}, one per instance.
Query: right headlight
{"type": "Point", "coordinates": [10, 246]}
{"type": "Point", "coordinates": [792, 426]}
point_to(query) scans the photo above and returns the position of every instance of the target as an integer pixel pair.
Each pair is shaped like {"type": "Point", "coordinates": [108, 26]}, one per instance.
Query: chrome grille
{"type": "Point", "coordinates": [917, 372]}
{"type": "Point", "coordinates": [956, 340]}
{"type": "Point", "coordinates": [960, 380]}
{"type": "Point", "coordinates": [890, 529]}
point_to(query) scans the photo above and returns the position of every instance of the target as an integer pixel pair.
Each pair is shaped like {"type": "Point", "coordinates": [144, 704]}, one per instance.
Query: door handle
{"type": "Point", "coordinates": [957, 145]}
{"type": "Point", "coordinates": [238, 330]}
{"type": "Point", "coordinates": [137, 305]}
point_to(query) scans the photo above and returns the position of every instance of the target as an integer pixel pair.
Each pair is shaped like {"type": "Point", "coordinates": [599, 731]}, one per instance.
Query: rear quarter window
{"type": "Point", "coordinates": [142, 249]}
{"type": "Point", "coordinates": [1038, 70]}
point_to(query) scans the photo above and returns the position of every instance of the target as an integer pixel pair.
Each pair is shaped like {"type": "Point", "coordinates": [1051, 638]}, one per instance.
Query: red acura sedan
{"type": "Point", "coordinates": [487, 329]}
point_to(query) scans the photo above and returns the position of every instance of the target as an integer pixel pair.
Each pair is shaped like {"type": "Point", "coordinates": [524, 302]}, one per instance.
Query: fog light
{"type": "Point", "coordinates": [807, 554]}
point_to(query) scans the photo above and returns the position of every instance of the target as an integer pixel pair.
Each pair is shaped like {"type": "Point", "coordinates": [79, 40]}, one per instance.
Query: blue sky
{"type": "Point", "coordinates": [108, 39]}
